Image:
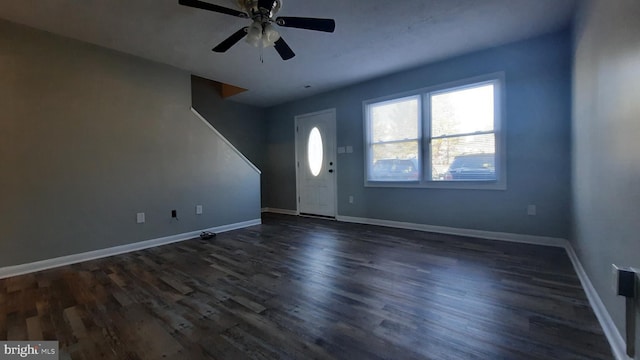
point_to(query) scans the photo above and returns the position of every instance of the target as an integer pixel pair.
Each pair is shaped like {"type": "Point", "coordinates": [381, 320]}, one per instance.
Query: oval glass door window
{"type": "Point", "coordinates": [315, 151]}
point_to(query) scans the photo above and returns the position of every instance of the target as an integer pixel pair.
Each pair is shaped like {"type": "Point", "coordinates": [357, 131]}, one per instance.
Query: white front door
{"type": "Point", "coordinates": [316, 163]}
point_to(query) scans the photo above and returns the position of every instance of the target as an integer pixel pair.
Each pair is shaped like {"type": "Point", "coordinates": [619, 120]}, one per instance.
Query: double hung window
{"type": "Point", "coordinates": [449, 136]}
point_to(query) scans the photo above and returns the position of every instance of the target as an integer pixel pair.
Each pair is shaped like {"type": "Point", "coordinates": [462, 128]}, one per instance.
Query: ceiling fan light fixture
{"type": "Point", "coordinates": [269, 35]}
{"type": "Point", "coordinates": [254, 34]}
{"type": "Point", "coordinates": [262, 35]}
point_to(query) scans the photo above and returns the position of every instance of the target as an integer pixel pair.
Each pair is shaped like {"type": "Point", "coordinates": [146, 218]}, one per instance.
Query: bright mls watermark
{"type": "Point", "coordinates": [10, 350]}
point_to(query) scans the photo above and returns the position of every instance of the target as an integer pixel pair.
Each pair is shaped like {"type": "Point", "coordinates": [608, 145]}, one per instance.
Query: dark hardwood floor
{"type": "Point", "coordinates": [296, 288]}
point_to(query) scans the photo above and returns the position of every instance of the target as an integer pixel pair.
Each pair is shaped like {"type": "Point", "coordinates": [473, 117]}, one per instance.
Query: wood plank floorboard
{"type": "Point", "coordinates": [301, 288]}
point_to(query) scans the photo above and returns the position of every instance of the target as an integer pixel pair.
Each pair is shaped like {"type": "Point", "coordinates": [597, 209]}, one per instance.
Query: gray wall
{"type": "Point", "coordinates": [538, 88]}
{"type": "Point", "coordinates": [243, 125]}
{"type": "Point", "coordinates": [90, 137]}
{"type": "Point", "coordinates": [606, 144]}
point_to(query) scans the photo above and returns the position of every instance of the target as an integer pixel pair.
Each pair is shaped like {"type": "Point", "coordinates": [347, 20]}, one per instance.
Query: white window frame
{"type": "Point", "coordinates": [424, 123]}
{"type": "Point", "coordinates": [419, 139]}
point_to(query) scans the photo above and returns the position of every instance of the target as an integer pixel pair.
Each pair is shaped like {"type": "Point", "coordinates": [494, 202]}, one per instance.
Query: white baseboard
{"type": "Point", "coordinates": [280, 211]}
{"type": "Point", "coordinates": [491, 235]}
{"type": "Point", "coordinates": [617, 343]}
{"type": "Point", "coordinates": [97, 254]}
{"type": "Point", "coordinates": [609, 328]}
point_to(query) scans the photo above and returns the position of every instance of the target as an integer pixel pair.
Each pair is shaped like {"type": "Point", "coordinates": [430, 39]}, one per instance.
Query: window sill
{"type": "Point", "coordinates": [454, 185]}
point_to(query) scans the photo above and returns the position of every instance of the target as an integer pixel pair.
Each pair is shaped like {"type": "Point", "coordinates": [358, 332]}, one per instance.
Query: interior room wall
{"type": "Point", "coordinates": [90, 137]}
{"type": "Point", "coordinates": [606, 129]}
{"type": "Point", "coordinates": [538, 107]}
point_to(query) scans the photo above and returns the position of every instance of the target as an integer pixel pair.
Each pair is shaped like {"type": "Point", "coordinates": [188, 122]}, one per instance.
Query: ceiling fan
{"type": "Point", "coordinates": [262, 32]}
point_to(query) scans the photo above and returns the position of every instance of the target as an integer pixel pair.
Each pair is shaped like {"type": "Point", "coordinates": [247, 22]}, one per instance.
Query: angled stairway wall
{"type": "Point", "coordinates": [244, 126]}
{"type": "Point", "coordinates": [89, 137]}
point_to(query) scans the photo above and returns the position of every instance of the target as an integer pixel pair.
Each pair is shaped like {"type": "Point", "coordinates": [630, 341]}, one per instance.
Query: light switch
{"type": "Point", "coordinates": [341, 150]}
{"type": "Point", "coordinates": [140, 218]}
{"type": "Point", "coordinates": [349, 149]}
{"type": "Point", "coordinates": [198, 209]}
{"type": "Point", "coordinates": [531, 210]}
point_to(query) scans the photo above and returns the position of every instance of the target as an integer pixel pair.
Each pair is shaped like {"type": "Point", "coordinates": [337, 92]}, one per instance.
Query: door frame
{"type": "Point", "coordinates": [334, 152]}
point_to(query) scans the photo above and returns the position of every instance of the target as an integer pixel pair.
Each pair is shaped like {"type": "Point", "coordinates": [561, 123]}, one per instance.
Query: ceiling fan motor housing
{"type": "Point", "coordinates": [257, 13]}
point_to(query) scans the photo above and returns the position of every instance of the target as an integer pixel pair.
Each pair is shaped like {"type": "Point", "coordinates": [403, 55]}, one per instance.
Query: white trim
{"type": "Point", "coordinates": [617, 343]}
{"type": "Point", "coordinates": [280, 211]}
{"type": "Point", "coordinates": [22, 269]}
{"type": "Point", "coordinates": [226, 141]}
{"type": "Point", "coordinates": [491, 235]}
{"type": "Point", "coordinates": [424, 125]}
{"type": "Point", "coordinates": [609, 328]}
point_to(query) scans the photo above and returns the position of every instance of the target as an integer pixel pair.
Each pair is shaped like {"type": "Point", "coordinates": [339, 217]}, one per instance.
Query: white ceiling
{"type": "Point", "coordinates": [372, 37]}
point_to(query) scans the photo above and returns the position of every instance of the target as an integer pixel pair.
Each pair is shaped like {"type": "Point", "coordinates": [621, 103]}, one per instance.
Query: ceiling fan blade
{"type": "Point", "coordinates": [231, 40]}
{"type": "Point", "coordinates": [283, 49]}
{"type": "Point", "coordinates": [211, 7]}
{"type": "Point", "coordinates": [327, 25]}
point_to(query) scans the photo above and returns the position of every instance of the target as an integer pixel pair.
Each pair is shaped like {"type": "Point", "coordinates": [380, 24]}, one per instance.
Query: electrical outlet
{"type": "Point", "coordinates": [198, 209]}
{"type": "Point", "coordinates": [140, 218]}
{"type": "Point", "coordinates": [350, 199]}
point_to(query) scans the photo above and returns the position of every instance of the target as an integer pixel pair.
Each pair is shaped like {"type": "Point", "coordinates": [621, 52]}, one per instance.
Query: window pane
{"type": "Point", "coordinates": [394, 120]}
{"type": "Point", "coordinates": [395, 162]}
{"type": "Point", "coordinates": [462, 111]}
{"type": "Point", "coordinates": [470, 158]}
{"type": "Point", "coordinates": [315, 151]}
